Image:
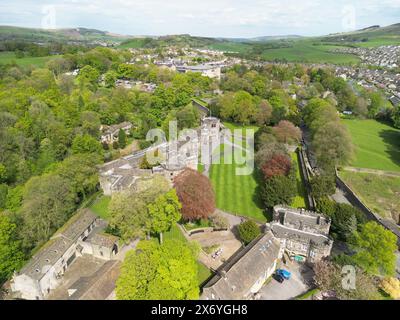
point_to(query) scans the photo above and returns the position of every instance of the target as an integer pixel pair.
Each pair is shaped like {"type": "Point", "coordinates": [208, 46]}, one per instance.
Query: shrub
{"type": "Point", "coordinates": [248, 231]}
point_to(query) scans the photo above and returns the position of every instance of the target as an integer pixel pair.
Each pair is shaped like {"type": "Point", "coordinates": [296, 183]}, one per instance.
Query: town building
{"type": "Point", "coordinates": [82, 234]}
{"type": "Point", "coordinates": [243, 275]}
{"type": "Point", "coordinates": [205, 70]}
{"type": "Point", "coordinates": [304, 234]}
{"type": "Point", "coordinates": [109, 134]}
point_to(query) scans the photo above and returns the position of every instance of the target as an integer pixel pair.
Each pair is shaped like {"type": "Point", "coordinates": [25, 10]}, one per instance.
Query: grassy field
{"type": "Point", "coordinates": [100, 207]}
{"type": "Point", "coordinates": [230, 47]}
{"type": "Point", "coordinates": [8, 57]}
{"type": "Point", "coordinates": [377, 145]}
{"type": "Point", "coordinates": [300, 200]}
{"type": "Point", "coordinates": [305, 51]}
{"type": "Point", "coordinates": [380, 193]}
{"type": "Point", "coordinates": [236, 193]}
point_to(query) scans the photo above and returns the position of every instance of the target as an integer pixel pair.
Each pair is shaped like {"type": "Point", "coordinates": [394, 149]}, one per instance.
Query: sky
{"type": "Point", "coordinates": [214, 18]}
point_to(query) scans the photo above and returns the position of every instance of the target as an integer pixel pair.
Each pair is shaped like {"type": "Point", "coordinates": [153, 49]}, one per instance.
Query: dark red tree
{"type": "Point", "coordinates": [279, 165]}
{"type": "Point", "coordinates": [196, 195]}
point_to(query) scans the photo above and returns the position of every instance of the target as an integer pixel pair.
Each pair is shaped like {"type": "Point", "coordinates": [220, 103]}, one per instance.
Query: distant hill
{"type": "Point", "coordinates": [373, 35]}
{"type": "Point", "coordinates": [60, 35]}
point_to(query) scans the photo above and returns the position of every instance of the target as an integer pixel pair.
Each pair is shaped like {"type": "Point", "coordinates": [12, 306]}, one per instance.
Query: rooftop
{"type": "Point", "coordinates": [241, 272]}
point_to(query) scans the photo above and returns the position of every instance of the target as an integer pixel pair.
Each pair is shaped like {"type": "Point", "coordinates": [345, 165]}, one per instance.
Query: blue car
{"type": "Point", "coordinates": [284, 273]}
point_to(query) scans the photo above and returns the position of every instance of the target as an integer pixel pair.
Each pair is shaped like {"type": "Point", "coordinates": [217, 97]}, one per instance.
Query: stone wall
{"type": "Point", "coordinates": [356, 202]}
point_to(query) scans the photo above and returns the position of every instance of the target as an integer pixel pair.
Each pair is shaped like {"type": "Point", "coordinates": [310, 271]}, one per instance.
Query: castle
{"type": "Point", "coordinates": [123, 173]}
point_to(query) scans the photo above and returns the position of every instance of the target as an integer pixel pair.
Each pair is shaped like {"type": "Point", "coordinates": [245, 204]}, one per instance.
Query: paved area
{"type": "Point", "coordinates": [224, 240]}
{"type": "Point", "coordinates": [300, 283]}
{"type": "Point", "coordinates": [373, 171]}
{"type": "Point", "coordinates": [340, 197]}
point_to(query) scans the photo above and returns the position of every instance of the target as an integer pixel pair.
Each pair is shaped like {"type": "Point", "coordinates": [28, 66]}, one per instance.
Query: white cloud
{"type": "Point", "coordinates": [205, 17]}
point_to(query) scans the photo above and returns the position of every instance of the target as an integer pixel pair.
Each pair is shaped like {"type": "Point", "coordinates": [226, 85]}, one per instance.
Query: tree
{"type": "Point", "coordinates": [264, 113]}
{"type": "Point", "coordinates": [159, 272]}
{"type": "Point", "coordinates": [86, 144]}
{"type": "Point", "coordinates": [164, 212]}
{"type": "Point", "coordinates": [48, 202]}
{"type": "Point", "coordinates": [375, 249]}
{"type": "Point", "coordinates": [121, 138]}
{"type": "Point", "coordinates": [129, 211]}
{"type": "Point", "coordinates": [278, 190]}
{"type": "Point", "coordinates": [392, 287]}
{"type": "Point", "coordinates": [344, 221]}
{"type": "Point", "coordinates": [328, 277]}
{"type": "Point", "coordinates": [287, 132]}
{"type": "Point", "coordinates": [248, 231]}
{"type": "Point", "coordinates": [109, 79]}
{"type": "Point", "coordinates": [3, 173]}
{"type": "Point", "coordinates": [323, 185]}
{"type": "Point", "coordinates": [11, 254]}
{"type": "Point", "coordinates": [196, 195]}
{"type": "Point", "coordinates": [278, 165]}
{"type": "Point", "coordinates": [88, 75]}
{"type": "Point", "coordinates": [332, 145]}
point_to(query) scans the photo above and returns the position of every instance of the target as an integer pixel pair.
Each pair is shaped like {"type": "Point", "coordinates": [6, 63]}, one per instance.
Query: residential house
{"type": "Point", "coordinates": [109, 134]}
{"type": "Point", "coordinates": [304, 234]}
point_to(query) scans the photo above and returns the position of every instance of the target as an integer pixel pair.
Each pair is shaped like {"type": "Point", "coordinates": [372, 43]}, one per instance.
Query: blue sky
{"type": "Point", "coordinates": [217, 18]}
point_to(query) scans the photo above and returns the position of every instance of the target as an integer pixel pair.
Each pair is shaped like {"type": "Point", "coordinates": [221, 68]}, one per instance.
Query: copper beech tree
{"type": "Point", "coordinates": [196, 195]}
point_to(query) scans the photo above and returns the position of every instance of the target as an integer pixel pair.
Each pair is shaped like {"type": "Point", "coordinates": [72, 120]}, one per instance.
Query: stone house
{"type": "Point", "coordinates": [82, 234]}
{"type": "Point", "coordinates": [243, 275]}
{"type": "Point", "coordinates": [304, 234]}
{"type": "Point", "coordinates": [109, 134]}
{"type": "Point", "coordinates": [205, 70]}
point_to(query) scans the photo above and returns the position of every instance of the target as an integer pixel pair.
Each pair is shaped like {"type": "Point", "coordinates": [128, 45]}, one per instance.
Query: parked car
{"type": "Point", "coordinates": [284, 273]}
{"type": "Point", "coordinates": [278, 278]}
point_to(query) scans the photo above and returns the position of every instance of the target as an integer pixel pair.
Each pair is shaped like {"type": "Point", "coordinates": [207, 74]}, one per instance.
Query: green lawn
{"type": "Point", "coordinates": [377, 145]}
{"type": "Point", "coordinates": [380, 193]}
{"type": "Point", "coordinates": [8, 57]}
{"type": "Point", "coordinates": [300, 200]}
{"type": "Point", "coordinates": [236, 193]}
{"type": "Point", "coordinates": [100, 207]}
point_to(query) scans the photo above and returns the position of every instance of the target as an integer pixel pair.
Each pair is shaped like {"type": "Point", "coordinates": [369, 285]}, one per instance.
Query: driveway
{"type": "Point", "coordinates": [299, 283]}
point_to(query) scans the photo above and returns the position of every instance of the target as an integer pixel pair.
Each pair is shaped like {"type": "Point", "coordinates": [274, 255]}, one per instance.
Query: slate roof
{"type": "Point", "coordinates": [284, 232]}
{"type": "Point", "coordinates": [242, 271]}
{"type": "Point", "coordinates": [55, 248]}
{"type": "Point", "coordinates": [116, 127]}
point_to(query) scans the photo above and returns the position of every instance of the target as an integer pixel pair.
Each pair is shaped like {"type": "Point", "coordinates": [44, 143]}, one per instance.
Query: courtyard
{"type": "Point", "coordinates": [299, 283]}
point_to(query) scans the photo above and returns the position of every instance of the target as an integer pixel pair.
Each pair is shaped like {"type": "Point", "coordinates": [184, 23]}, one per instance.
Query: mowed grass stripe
{"type": "Point", "coordinates": [235, 193]}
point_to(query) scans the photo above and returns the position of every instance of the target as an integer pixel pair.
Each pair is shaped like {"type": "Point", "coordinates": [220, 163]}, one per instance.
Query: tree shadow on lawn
{"type": "Point", "coordinates": [392, 139]}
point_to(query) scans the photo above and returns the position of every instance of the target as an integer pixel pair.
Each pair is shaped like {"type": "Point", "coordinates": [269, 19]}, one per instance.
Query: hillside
{"type": "Point", "coordinates": [59, 35]}
{"type": "Point", "coordinates": [367, 37]}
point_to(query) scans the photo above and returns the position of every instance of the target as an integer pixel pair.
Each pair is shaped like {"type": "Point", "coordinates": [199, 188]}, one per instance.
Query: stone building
{"type": "Point", "coordinates": [304, 234]}
{"type": "Point", "coordinates": [124, 173]}
{"type": "Point", "coordinates": [109, 134]}
{"type": "Point", "coordinates": [82, 234]}
{"type": "Point", "coordinates": [205, 70]}
{"type": "Point", "coordinates": [243, 275]}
